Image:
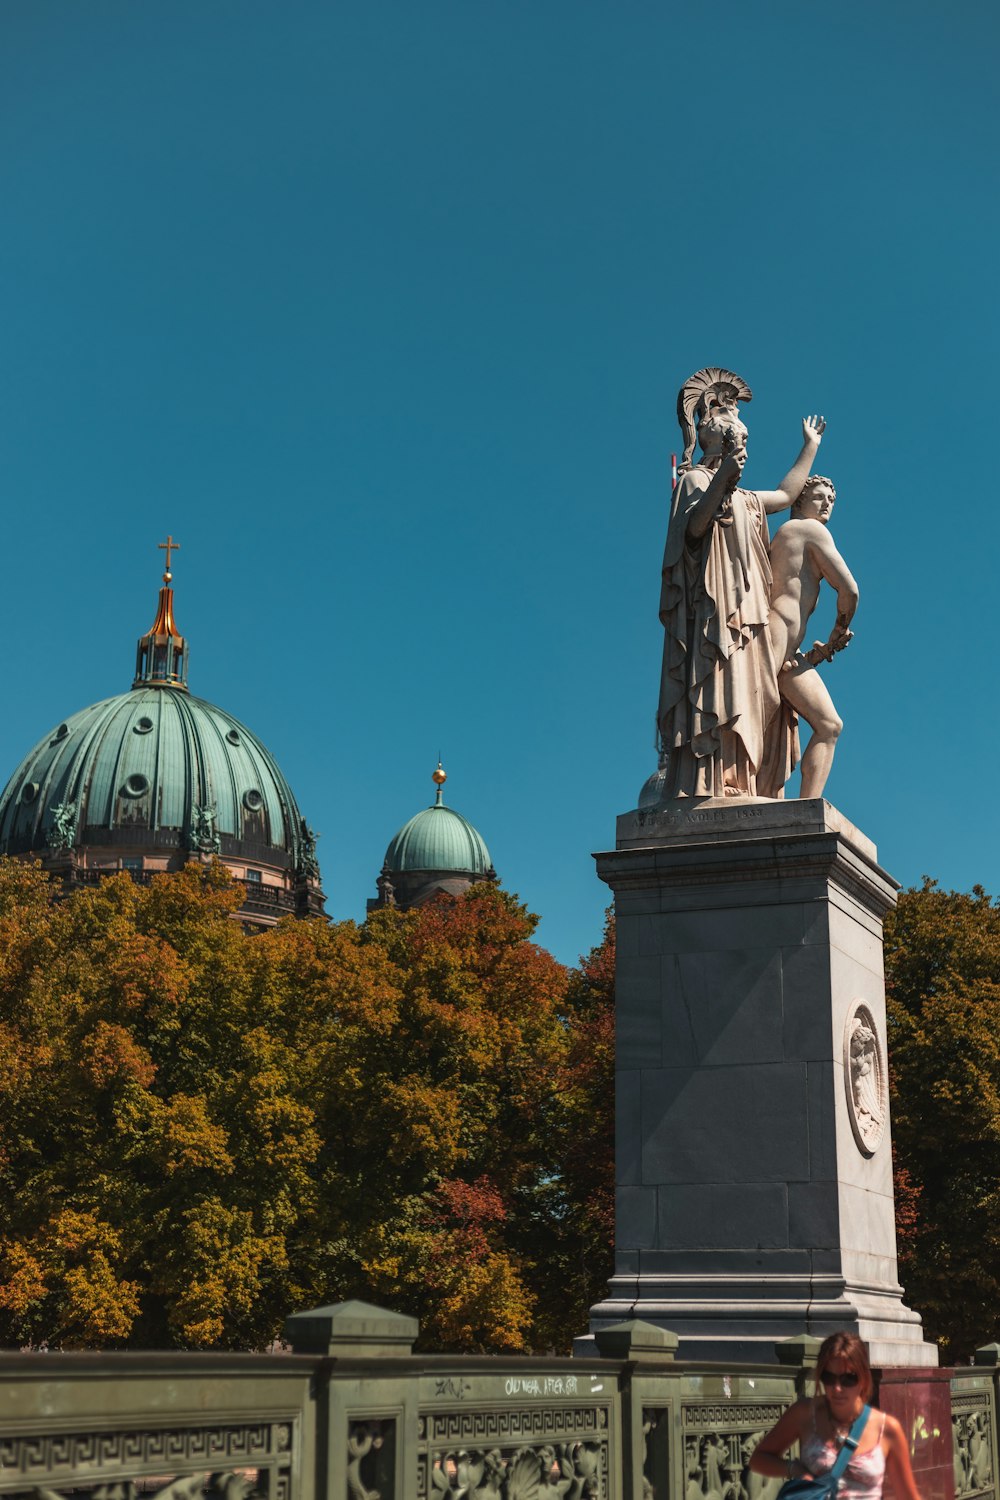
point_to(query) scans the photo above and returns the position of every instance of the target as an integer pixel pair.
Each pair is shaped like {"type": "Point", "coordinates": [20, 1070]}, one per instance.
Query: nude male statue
{"type": "Point", "coordinates": [802, 554]}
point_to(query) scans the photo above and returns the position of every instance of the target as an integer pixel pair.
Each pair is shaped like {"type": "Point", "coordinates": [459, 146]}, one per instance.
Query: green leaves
{"type": "Point", "coordinates": [942, 955]}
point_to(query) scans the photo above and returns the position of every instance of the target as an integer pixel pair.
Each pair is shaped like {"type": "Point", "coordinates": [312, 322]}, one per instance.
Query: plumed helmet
{"type": "Point", "coordinates": [701, 391]}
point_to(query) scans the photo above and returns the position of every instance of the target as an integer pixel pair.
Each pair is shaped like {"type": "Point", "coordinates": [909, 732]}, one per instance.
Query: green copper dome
{"type": "Point", "coordinates": [438, 839]}
{"type": "Point", "coordinates": [151, 762]}
{"type": "Point", "coordinates": [158, 773]}
{"type": "Point", "coordinates": [437, 853]}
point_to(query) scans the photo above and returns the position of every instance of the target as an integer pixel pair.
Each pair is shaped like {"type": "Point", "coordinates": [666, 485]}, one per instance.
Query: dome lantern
{"type": "Point", "coordinates": [161, 654]}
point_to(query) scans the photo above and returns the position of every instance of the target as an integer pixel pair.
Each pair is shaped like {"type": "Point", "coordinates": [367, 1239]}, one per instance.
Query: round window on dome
{"type": "Point", "coordinates": [60, 733]}
{"type": "Point", "coordinates": [143, 725]}
{"type": "Point", "coordinates": [136, 785]}
{"type": "Point", "coordinates": [29, 791]}
{"type": "Point", "coordinates": [252, 800]}
{"type": "Point", "coordinates": [233, 736]}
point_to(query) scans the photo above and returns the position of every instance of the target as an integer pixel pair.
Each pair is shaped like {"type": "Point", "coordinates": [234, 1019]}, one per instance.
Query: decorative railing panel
{"type": "Point", "coordinates": [974, 1436]}
{"type": "Point", "coordinates": [545, 1431]}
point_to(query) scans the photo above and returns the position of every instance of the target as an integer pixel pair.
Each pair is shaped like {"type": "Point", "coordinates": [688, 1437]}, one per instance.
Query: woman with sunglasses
{"type": "Point", "coordinates": [821, 1426]}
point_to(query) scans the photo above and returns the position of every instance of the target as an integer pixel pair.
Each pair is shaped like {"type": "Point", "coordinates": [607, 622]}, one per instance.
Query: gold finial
{"type": "Point", "coordinates": [439, 777]}
{"type": "Point", "coordinates": [168, 546]}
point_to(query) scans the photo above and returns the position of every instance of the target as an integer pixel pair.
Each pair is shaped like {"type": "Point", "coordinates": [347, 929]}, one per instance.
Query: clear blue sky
{"type": "Point", "coordinates": [381, 307]}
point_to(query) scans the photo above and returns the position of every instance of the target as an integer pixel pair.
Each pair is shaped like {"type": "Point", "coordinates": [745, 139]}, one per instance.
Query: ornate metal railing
{"type": "Point", "coordinates": [352, 1414]}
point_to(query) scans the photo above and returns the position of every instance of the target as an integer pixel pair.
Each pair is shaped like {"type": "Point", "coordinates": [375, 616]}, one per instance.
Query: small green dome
{"type": "Point", "coordinates": [438, 839]}
{"type": "Point", "coordinates": [154, 766]}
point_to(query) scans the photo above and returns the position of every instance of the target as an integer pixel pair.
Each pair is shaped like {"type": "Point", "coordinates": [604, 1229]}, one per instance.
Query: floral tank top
{"type": "Point", "coordinates": [865, 1472]}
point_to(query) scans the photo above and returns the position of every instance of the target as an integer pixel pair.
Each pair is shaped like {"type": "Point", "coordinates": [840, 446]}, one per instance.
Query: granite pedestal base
{"type": "Point", "coordinates": [754, 1164]}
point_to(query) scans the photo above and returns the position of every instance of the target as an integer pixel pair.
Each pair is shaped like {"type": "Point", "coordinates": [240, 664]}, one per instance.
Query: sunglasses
{"type": "Point", "coordinates": [846, 1382]}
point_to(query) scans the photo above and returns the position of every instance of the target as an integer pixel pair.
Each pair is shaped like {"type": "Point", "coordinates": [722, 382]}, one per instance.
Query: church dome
{"type": "Point", "coordinates": [437, 850]}
{"type": "Point", "coordinates": [438, 839]}
{"type": "Point", "coordinates": [154, 777]}
{"type": "Point", "coordinates": [139, 768]}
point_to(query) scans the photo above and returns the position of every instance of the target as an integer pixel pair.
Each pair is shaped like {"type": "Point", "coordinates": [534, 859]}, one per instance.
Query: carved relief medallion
{"type": "Point", "coordinates": [865, 1078]}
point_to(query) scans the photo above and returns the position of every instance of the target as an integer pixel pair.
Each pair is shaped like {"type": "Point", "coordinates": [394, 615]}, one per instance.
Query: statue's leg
{"type": "Point", "coordinates": [806, 691]}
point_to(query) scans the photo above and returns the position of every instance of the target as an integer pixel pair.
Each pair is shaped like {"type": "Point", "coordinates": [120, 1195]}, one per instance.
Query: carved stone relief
{"type": "Point", "coordinates": [973, 1451]}
{"type": "Point", "coordinates": [656, 1453]}
{"type": "Point", "coordinates": [716, 1460]}
{"type": "Point", "coordinates": [371, 1460]}
{"type": "Point", "coordinates": [550, 1471]}
{"type": "Point", "coordinates": [234, 1461]}
{"type": "Point", "coordinates": [244, 1484]}
{"type": "Point", "coordinates": [503, 1453]}
{"type": "Point", "coordinates": [865, 1078]}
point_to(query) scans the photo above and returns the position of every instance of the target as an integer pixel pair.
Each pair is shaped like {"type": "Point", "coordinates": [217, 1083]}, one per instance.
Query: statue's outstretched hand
{"type": "Point", "coordinates": [813, 429]}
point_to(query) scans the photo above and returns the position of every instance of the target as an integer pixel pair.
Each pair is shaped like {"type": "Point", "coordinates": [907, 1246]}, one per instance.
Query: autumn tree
{"type": "Point", "coordinates": [203, 1130]}
{"type": "Point", "coordinates": [156, 1149]}
{"type": "Point", "coordinates": [571, 1217]}
{"type": "Point", "coordinates": [456, 1097]}
{"type": "Point", "coordinates": [942, 955]}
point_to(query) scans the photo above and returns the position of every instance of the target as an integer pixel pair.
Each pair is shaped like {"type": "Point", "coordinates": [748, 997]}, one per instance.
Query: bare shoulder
{"type": "Point", "coordinates": [894, 1429]}
{"type": "Point", "coordinates": [802, 1413]}
{"type": "Point", "coordinates": [791, 534]}
{"type": "Point", "coordinates": [816, 535]}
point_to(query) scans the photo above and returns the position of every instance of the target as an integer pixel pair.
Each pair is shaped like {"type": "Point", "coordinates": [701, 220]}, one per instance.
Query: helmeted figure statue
{"type": "Point", "coordinates": [718, 687]}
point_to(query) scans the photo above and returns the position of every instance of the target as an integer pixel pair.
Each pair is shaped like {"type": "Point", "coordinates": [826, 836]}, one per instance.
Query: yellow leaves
{"type": "Point", "coordinates": [423, 1122]}
{"type": "Point", "coordinates": [222, 1263]}
{"type": "Point", "coordinates": [23, 1285]}
{"type": "Point", "coordinates": [110, 1054]}
{"type": "Point", "coordinates": [63, 1284]}
{"type": "Point", "coordinates": [480, 1307]}
{"type": "Point", "coordinates": [101, 1308]}
{"type": "Point", "coordinates": [191, 1141]}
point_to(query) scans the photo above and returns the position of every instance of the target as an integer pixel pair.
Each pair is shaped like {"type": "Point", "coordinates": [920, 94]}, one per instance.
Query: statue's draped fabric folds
{"type": "Point", "coordinates": [718, 687]}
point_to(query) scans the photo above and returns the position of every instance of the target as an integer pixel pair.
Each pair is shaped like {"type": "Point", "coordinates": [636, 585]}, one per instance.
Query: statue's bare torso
{"type": "Point", "coordinates": [803, 553]}
{"type": "Point", "coordinates": [798, 554]}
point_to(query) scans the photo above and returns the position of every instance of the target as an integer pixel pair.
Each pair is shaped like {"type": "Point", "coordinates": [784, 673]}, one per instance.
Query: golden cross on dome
{"type": "Point", "coordinates": [169, 546]}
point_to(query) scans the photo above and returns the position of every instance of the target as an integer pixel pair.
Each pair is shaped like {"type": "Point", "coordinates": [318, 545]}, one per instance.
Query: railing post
{"type": "Point", "coordinates": [800, 1350]}
{"type": "Point", "coordinates": [367, 1412]}
{"type": "Point", "coordinates": [974, 1426]}
{"type": "Point", "coordinates": [644, 1350]}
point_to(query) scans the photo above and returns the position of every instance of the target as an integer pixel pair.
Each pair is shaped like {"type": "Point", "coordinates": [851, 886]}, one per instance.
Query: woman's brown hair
{"type": "Point", "coordinates": [851, 1349]}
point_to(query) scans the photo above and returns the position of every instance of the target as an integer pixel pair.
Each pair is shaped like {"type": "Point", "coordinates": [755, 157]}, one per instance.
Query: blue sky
{"type": "Point", "coordinates": [381, 308]}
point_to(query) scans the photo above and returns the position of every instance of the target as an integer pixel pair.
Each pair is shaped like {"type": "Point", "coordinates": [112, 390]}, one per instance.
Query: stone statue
{"type": "Point", "coordinates": [866, 1084]}
{"type": "Point", "coordinates": [308, 864]}
{"type": "Point", "coordinates": [63, 830]}
{"type": "Point", "coordinates": [204, 836]}
{"type": "Point", "coordinates": [718, 688]}
{"type": "Point", "coordinates": [802, 554]}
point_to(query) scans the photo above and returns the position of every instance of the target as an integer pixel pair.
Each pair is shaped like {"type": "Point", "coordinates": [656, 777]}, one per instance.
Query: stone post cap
{"type": "Point", "coordinates": [800, 1349]}
{"type": "Point", "coordinates": [987, 1354]}
{"type": "Point", "coordinates": [636, 1339]}
{"type": "Point", "coordinates": [348, 1329]}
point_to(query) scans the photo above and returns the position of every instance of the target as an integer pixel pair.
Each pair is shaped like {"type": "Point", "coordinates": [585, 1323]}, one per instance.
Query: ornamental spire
{"type": "Point", "coordinates": [161, 654]}
{"type": "Point", "coordinates": [439, 777]}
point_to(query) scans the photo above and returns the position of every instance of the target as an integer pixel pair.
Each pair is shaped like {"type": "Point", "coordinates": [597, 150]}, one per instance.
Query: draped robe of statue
{"type": "Point", "coordinates": [718, 688]}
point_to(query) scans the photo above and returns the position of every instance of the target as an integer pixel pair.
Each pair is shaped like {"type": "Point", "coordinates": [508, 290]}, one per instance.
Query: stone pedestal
{"type": "Point", "coordinates": [754, 1164]}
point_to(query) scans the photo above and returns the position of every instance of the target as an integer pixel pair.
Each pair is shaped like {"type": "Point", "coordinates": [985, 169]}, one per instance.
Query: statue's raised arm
{"type": "Point", "coordinates": [790, 488]}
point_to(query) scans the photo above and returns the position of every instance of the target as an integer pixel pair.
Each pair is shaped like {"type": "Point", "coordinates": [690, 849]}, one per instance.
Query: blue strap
{"type": "Point", "coordinates": [851, 1441]}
